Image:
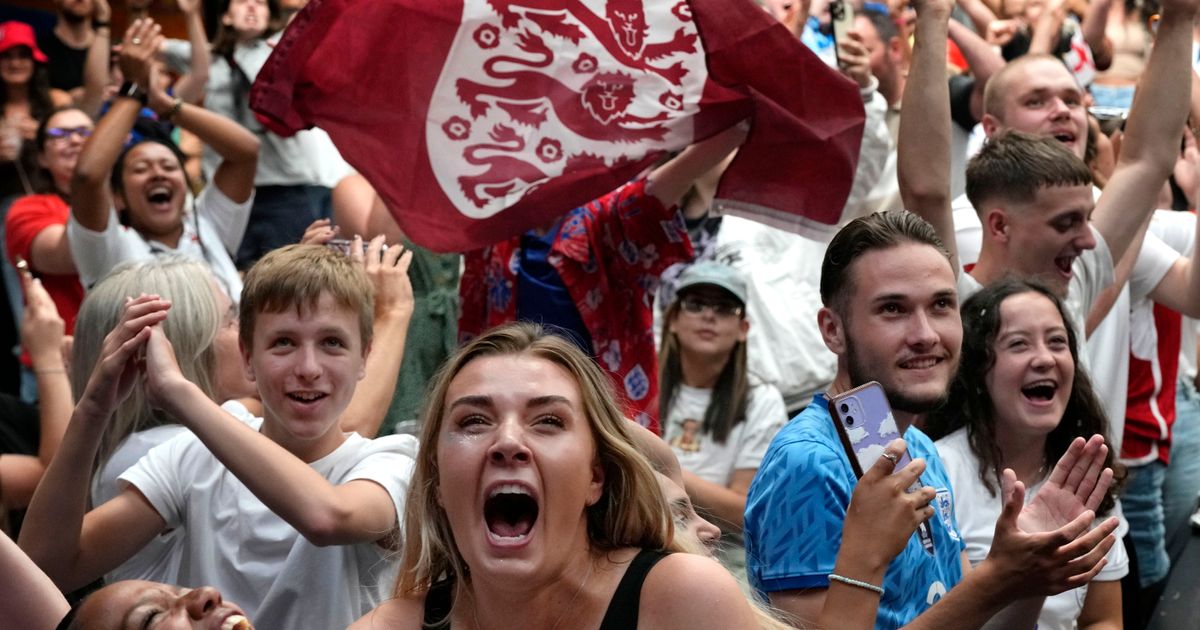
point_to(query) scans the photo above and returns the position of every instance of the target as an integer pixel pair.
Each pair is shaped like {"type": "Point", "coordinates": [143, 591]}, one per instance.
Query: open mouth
{"type": "Point", "coordinates": [1064, 264]}
{"type": "Point", "coordinates": [159, 197]}
{"type": "Point", "coordinates": [510, 512]}
{"type": "Point", "coordinates": [1040, 391]}
{"type": "Point", "coordinates": [1065, 137]}
{"type": "Point", "coordinates": [236, 622]}
{"type": "Point", "coordinates": [306, 397]}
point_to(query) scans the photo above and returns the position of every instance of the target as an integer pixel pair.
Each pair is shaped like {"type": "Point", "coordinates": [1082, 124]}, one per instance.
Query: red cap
{"type": "Point", "coordinates": [15, 33]}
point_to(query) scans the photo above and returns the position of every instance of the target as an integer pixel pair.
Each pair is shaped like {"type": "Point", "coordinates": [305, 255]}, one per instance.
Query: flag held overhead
{"type": "Point", "coordinates": [479, 119]}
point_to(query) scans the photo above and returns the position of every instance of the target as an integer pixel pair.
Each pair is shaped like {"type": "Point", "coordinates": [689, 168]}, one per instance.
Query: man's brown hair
{"type": "Point", "coordinates": [1013, 166]}
{"type": "Point", "coordinates": [296, 276]}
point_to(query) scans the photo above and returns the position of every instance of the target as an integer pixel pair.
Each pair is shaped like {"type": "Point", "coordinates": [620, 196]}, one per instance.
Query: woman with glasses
{"type": "Point", "coordinates": [717, 418]}
{"type": "Point", "coordinates": [35, 229]}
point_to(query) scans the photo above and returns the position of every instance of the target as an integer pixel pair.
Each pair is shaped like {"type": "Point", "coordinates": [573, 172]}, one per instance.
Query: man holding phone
{"type": "Point", "coordinates": [891, 315]}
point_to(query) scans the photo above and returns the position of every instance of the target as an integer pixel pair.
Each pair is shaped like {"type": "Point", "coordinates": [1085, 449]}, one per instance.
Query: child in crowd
{"type": "Point", "coordinates": [275, 513]}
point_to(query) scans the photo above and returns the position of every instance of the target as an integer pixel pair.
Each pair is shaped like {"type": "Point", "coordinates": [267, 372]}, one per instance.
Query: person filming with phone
{"type": "Point", "coordinates": [890, 314]}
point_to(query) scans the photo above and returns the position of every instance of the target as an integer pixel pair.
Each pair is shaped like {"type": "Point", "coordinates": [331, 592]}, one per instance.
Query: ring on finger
{"type": "Point", "coordinates": [136, 41]}
{"type": "Point", "coordinates": [892, 457]}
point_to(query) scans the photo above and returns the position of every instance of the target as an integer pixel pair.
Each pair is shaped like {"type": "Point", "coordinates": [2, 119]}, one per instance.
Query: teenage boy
{"type": "Point", "coordinates": [890, 314]}
{"type": "Point", "coordinates": [296, 521]}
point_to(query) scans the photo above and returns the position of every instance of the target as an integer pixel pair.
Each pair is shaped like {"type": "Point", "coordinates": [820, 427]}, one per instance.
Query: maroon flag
{"type": "Point", "coordinates": [479, 119]}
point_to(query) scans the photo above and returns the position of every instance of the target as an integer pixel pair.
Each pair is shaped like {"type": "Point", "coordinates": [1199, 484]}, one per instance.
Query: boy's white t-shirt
{"type": "Point", "coordinates": [255, 558]}
{"type": "Point", "coordinates": [976, 512]}
{"type": "Point", "coordinates": [746, 444]}
{"type": "Point", "coordinates": [157, 561]}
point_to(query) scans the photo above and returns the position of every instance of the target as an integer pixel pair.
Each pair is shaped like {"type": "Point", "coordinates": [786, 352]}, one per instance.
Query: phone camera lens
{"type": "Point", "coordinates": [845, 407]}
{"type": "Point", "coordinates": [849, 421]}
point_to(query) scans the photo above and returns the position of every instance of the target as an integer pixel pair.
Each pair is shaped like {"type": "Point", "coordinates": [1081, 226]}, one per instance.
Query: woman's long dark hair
{"type": "Point", "coordinates": [40, 103]}
{"type": "Point", "coordinates": [970, 404]}
{"type": "Point", "coordinates": [730, 394]}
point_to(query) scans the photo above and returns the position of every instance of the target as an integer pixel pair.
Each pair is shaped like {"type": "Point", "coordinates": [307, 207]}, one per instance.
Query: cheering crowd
{"type": "Point", "coordinates": [241, 396]}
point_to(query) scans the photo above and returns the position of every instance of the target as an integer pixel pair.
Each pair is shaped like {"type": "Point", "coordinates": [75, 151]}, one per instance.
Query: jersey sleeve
{"type": "Point", "coordinates": [794, 517]}
{"type": "Point", "coordinates": [26, 219]}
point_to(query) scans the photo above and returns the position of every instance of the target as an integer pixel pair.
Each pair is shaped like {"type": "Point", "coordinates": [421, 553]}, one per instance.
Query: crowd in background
{"type": "Point", "coordinates": [233, 378]}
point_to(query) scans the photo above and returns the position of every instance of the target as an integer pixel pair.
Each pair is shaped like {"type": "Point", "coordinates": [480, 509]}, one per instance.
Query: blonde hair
{"type": "Point", "coordinates": [631, 511]}
{"type": "Point", "coordinates": [296, 276]}
{"type": "Point", "coordinates": [191, 326]}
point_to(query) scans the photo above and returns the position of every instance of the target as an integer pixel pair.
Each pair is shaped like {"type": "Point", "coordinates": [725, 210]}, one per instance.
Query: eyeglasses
{"type": "Point", "coordinates": [62, 133]}
{"type": "Point", "coordinates": [694, 305]}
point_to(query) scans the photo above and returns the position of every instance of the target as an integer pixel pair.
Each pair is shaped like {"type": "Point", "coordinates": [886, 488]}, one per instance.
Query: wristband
{"type": "Point", "coordinates": [130, 89]}
{"type": "Point", "coordinates": [176, 105]}
{"type": "Point", "coordinates": [859, 583]}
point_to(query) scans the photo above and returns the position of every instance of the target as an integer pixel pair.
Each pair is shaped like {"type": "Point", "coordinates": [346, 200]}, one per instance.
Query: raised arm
{"type": "Point", "coordinates": [353, 512]}
{"type": "Point", "coordinates": [669, 182]}
{"type": "Point", "coordinates": [923, 160]}
{"type": "Point", "coordinates": [190, 86]}
{"type": "Point", "coordinates": [30, 599]}
{"type": "Point", "coordinates": [1095, 22]}
{"type": "Point", "coordinates": [1151, 141]}
{"type": "Point", "coordinates": [42, 336]}
{"type": "Point", "coordinates": [96, 70]}
{"type": "Point", "coordinates": [1179, 289]}
{"type": "Point", "coordinates": [388, 272]}
{"type": "Point", "coordinates": [91, 197]}
{"type": "Point", "coordinates": [74, 546]}
{"type": "Point", "coordinates": [981, 57]}
{"type": "Point", "coordinates": [980, 14]}
{"type": "Point", "coordinates": [1048, 28]}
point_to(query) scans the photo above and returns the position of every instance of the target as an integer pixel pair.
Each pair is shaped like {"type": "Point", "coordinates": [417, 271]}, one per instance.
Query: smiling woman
{"type": "Point", "coordinates": [531, 505]}
{"type": "Point", "coordinates": [1020, 407]}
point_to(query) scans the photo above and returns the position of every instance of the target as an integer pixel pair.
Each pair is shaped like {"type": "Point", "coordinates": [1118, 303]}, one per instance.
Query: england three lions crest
{"type": "Point", "coordinates": [533, 89]}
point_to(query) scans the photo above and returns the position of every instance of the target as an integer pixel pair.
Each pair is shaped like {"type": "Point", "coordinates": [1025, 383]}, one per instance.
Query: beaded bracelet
{"type": "Point", "coordinates": [859, 583]}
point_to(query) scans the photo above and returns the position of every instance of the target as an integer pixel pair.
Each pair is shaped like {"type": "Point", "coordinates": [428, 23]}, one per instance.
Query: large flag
{"type": "Point", "coordinates": [479, 119]}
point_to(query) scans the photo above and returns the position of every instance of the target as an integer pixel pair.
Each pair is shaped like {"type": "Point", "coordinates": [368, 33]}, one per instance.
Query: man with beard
{"type": "Point", "coordinates": [890, 314]}
{"type": "Point", "coordinates": [67, 44]}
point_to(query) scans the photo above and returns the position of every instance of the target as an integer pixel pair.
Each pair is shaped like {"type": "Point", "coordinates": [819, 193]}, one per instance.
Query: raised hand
{"type": "Point", "coordinates": [188, 7]}
{"type": "Point", "coordinates": [161, 370]}
{"type": "Point", "coordinates": [883, 515]}
{"type": "Point", "coordinates": [320, 232]}
{"type": "Point", "coordinates": [42, 328]}
{"type": "Point", "coordinates": [388, 271]}
{"type": "Point", "coordinates": [1045, 548]}
{"type": "Point", "coordinates": [854, 60]}
{"type": "Point", "coordinates": [116, 372]}
{"type": "Point", "coordinates": [1077, 484]}
{"type": "Point", "coordinates": [143, 40]}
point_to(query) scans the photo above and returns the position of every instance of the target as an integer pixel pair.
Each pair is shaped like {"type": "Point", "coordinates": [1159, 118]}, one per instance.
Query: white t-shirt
{"type": "Point", "coordinates": [746, 444]}
{"type": "Point", "coordinates": [157, 561]}
{"type": "Point", "coordinates": [222, 223]}
{"type": "Point", "coordinates": [976, 511]}
{"type": "Point", "coordinates": [255, 558]}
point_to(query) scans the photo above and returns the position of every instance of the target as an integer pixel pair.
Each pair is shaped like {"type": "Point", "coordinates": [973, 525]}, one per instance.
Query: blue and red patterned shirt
{"type": "Point", "coordinates": [610, 254]}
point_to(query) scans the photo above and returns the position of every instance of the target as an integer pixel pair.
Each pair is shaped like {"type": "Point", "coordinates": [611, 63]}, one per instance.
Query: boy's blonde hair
{"type": "Point", "coordinates": [296, 276]}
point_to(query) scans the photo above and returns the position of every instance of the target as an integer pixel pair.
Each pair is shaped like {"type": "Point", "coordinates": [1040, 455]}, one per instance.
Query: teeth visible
{"type": "Point", "coordinates": [307, 396]}
{"type": "Point", "coordinates": [920, 364]}
{"type": "Point", "coordinates": [236, 622]}
{"type": "Point", "coordinates": [508, 488]}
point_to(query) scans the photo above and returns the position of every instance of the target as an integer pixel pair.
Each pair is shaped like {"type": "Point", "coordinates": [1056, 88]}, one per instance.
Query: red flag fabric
{"type": "Point", "coordinates": [479, 119]}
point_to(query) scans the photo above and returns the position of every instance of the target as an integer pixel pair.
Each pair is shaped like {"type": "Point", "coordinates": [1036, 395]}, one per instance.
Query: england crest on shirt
{"type": "Point", "coordinates": [945, 509]}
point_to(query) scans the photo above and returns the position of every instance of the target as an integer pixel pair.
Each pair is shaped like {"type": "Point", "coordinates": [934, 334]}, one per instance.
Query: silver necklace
{"type": "Point", "coordinates": [566, 609]}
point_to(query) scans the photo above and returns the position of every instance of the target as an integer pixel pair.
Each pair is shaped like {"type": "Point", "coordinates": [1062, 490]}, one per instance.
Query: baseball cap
{"type": "Point", "coordinates": [13, 34]}
{"type": "Point", "coordinates": [716, 274]}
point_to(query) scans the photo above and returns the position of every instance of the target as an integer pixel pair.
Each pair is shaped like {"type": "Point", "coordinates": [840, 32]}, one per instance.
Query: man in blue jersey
{"type": "Point", "coordinates": [890, 314]}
